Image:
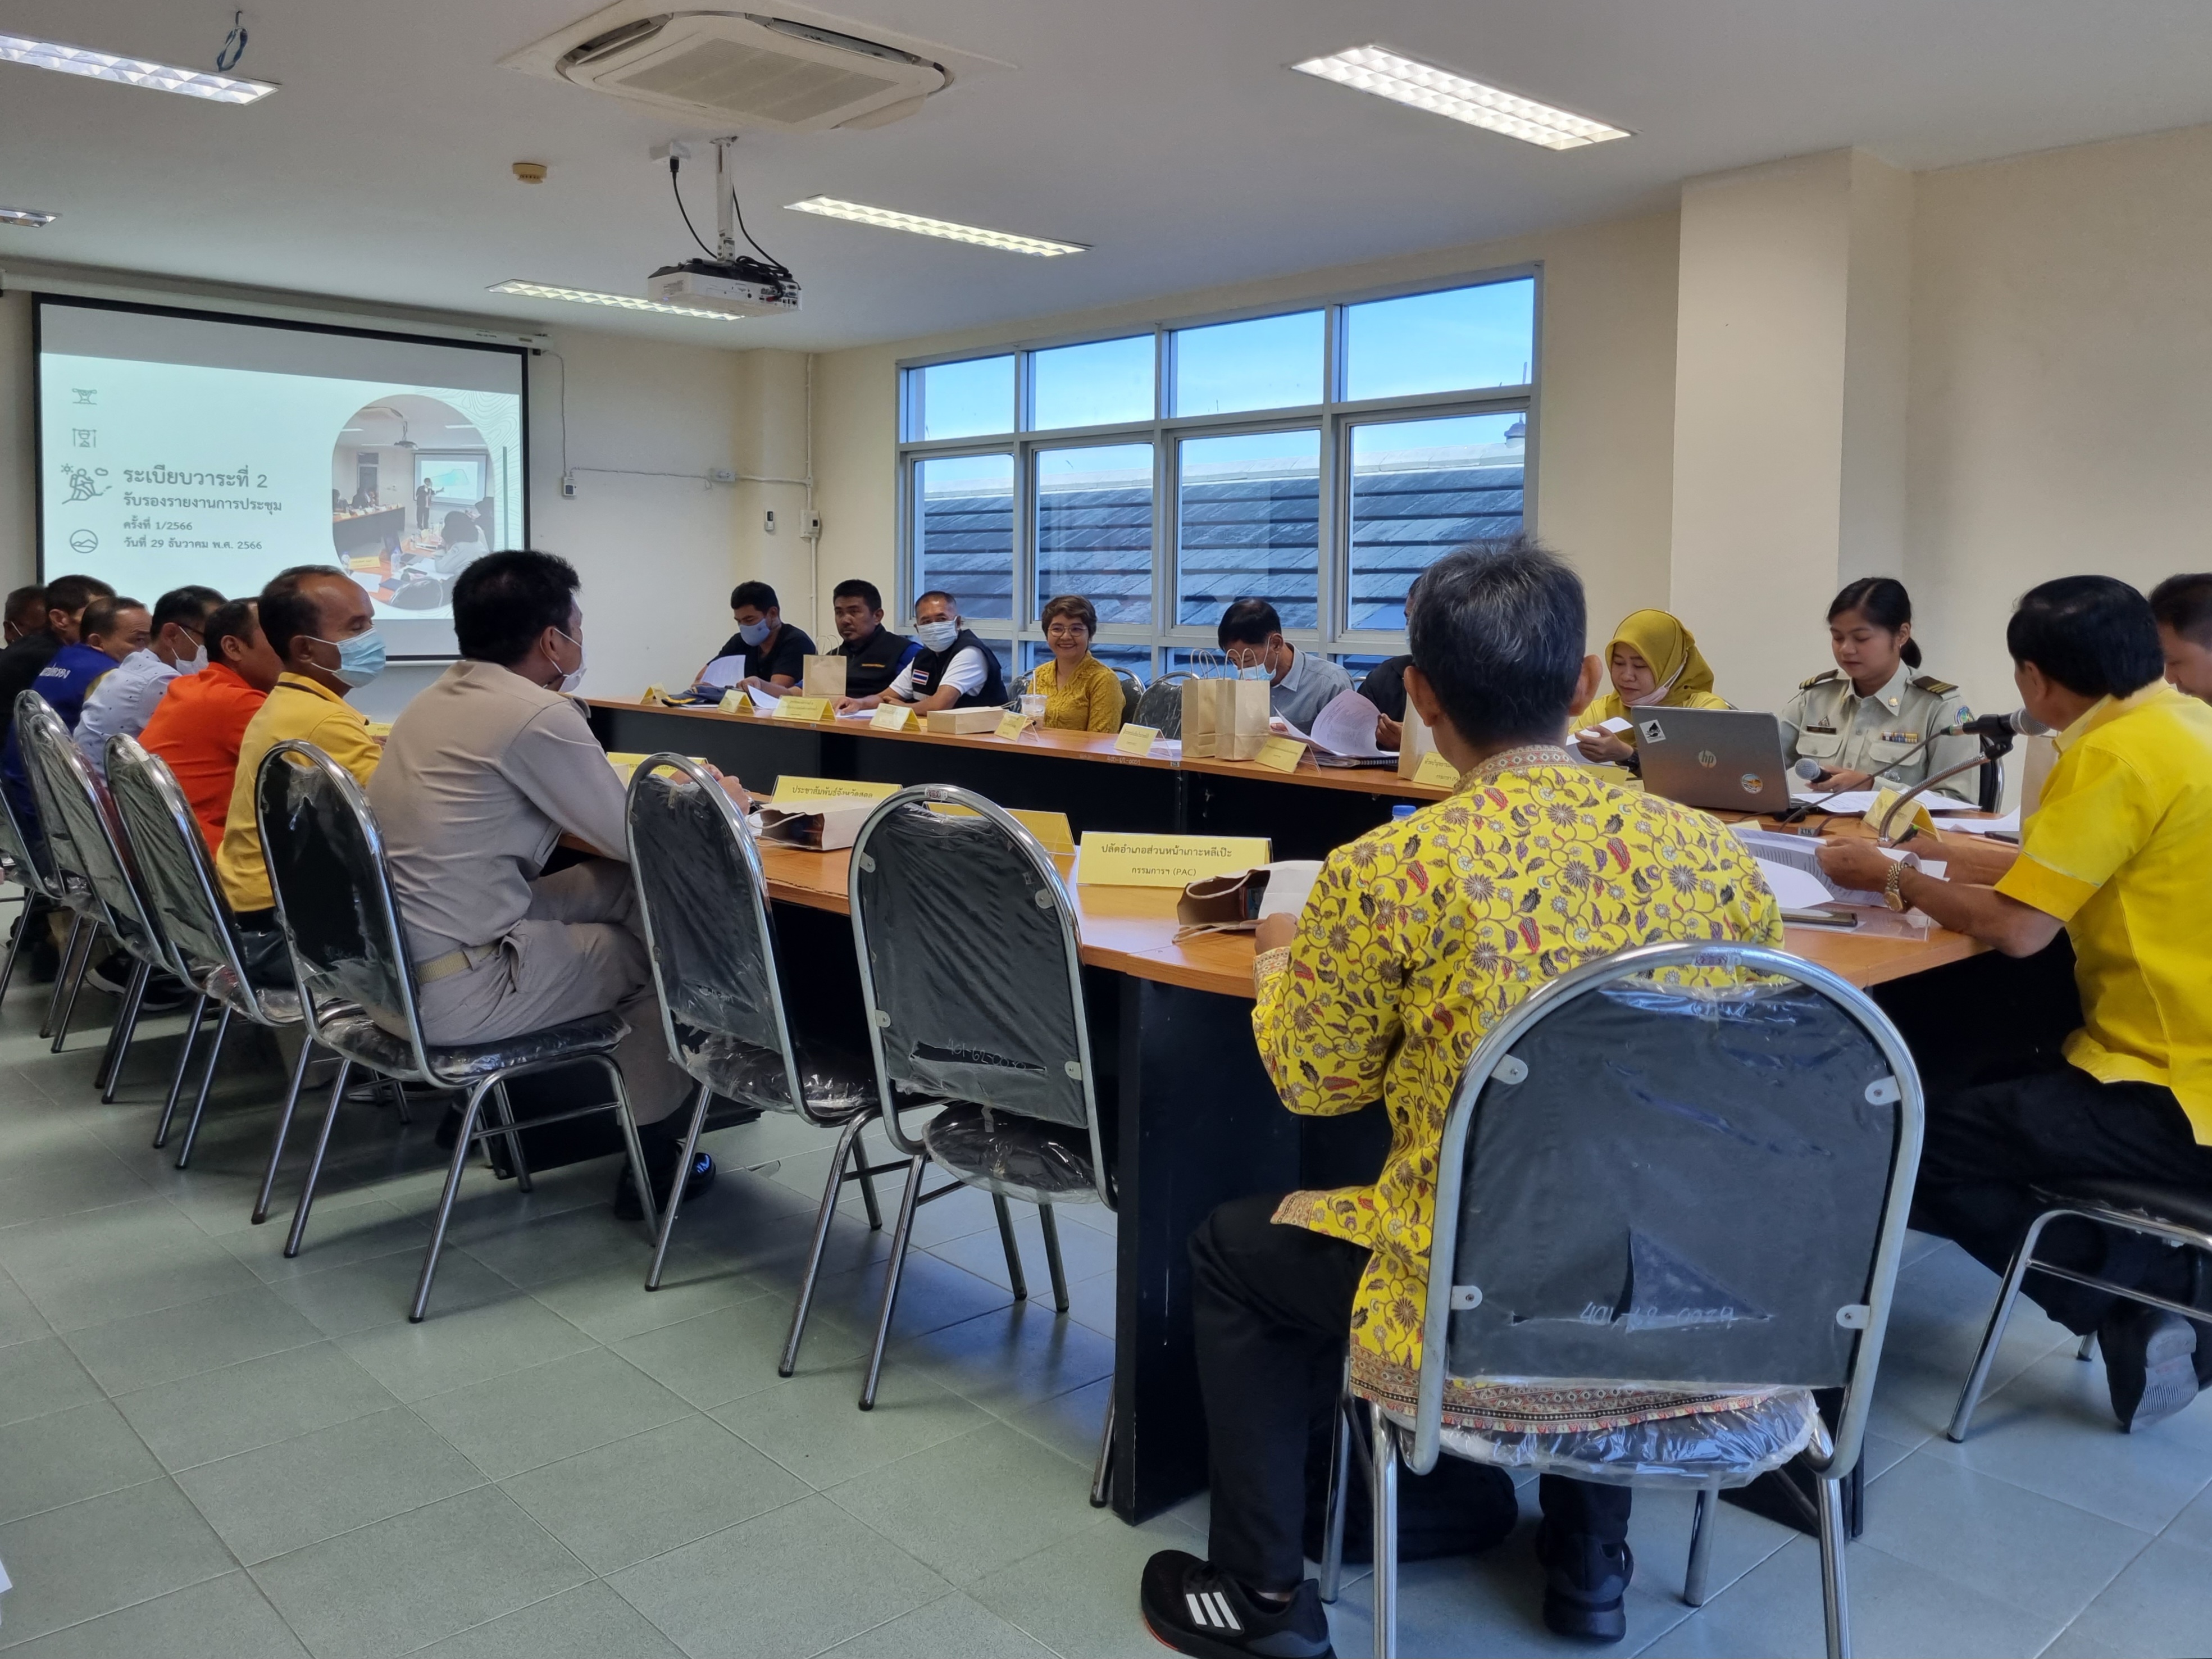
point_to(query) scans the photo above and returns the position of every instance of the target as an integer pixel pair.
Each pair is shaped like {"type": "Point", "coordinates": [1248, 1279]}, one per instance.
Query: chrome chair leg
{"type": "Point", "coordinates": [110, 1077]}
{"type": "Point", "coordinates": [1385, 1475]}
{"type": "Point", "coordinates": [505, 1113]}
{"type": "Point", "coordinates": [2000, 1316]}
{"type": "Point", "coordinates": [1102, 1472]}
{"type": "Point", "coordinates": [463, 1145]}
{"type": "Point", "coordinates": [177, 1075]}
{"type": "Point", "coordinates": [315, 1162]}
{"type": "Point", "coordinates": [900, 1235]}
{"type": "Point", "coordinates": [284, 1128]}
{"type": "Point", "coordinates": [1021, 1285]}
{"type": "Point", "coordinates": [207, 1082]}
{"type": "Point", "coordinates": [633, 1149]}
{"type": "Point", "coordinates": [1340, 1500]}
{"type": "Point", "coordinates": [868, 1181]}
{"type": "Point", "coordinates": [62, 973]}
{"type": "Point", "coordinates": [2088, 1350]}
{"type": "Point", "coordinates": [1832, 1588]}
{"type": "Point", "coordinates": [1050, 1223]}
{"type": "Point", "coordinates": [849, 1146]}
{"type": "Point", "coordinates": [15, 943]}
{"type": "Point", "coordinates": [76, 984]}
{"type": "Point", "coordinates": [676, 1190]}
{"type": "Point", "coordinates": [1701, 1548]}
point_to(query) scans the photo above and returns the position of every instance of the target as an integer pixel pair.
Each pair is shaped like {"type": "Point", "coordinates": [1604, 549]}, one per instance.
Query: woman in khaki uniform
{"type": "Point", "coordinates": [1863, 720]}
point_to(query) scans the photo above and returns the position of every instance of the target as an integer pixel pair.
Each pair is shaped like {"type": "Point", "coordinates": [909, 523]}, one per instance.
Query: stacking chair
{"type": "Point", "coordinates": [179, 880]}
{"type": "Point", "coordinates": [1132, 693]}
{"type": "Point", "coordinates": [1697, 1190]}
{"type": "Point", "coordinates": [2180, 1216]}
{"type": "Point", "coordinates": [358, 989]}
{"type": "Point", "coordinates": [64, 887]}
{"type": "Point", "coordinates": [974, 995]}
{"type": "Point", "coordinates": [712, 940]}
{"type": "Point", "coordinates": [1161, 705]}
{"type": "Point", "coordinates": [24, 862]}
{"type": "Point", "coordinates": [84, 837]}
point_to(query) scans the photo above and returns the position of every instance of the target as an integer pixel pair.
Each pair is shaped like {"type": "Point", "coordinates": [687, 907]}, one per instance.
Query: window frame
{"type": "Point", "coordinates": [1333, 418]}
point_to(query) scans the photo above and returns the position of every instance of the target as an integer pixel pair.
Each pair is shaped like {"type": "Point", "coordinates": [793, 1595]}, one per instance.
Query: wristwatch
{"type": "Point", "coordinates": [1892, 885]}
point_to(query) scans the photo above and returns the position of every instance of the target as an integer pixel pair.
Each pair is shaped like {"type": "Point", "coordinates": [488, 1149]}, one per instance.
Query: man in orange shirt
{"type": "Point", "coordinates": [198, 724]}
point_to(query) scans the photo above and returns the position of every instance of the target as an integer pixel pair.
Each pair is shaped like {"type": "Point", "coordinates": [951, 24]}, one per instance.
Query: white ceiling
{"type": "Point", "coordinates": [1166, 133]}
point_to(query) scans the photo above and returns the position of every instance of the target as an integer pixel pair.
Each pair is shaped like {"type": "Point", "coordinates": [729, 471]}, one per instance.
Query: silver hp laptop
{"type": "Point", "coordinates": [1722, 759]}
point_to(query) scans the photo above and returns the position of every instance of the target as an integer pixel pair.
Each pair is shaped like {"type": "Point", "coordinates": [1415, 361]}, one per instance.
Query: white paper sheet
{"type": "Point", "coordinates": [1861, 800]}
{"type": "Point", "coordinates": [1346, 726]}
{"type": "Point", "coordinates": [1793, 889]}
{"type": "Point", "coordinates": [761, 699]}
{"type": "Point", "coordinates": [1290, 882]}
{"type": "Point", "coordinates": [2006, 825]}
{"type": "Point", "coordinates": [723, 673]}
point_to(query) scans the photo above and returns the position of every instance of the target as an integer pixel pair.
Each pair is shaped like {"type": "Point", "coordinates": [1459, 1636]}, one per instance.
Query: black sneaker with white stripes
{"type": "Point", "coordinates": [1194, 1607]}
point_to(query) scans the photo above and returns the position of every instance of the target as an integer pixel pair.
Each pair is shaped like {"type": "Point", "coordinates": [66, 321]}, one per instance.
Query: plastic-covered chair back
{"type": "Point", "coordinates": [325, 858]}
{"type": "Point", "coordinates": [707, 929]}
{"type": "Point", "coordinates": [1161, 706]}
{"type": "Point", "coordinates": [25, 853]}
{"type": "Point", "coordinates": [82, 833]}
{"type": "Point", "coordinates": [172, 858]}
{"type": "Point", "coordinates": [1683, 1164]}
{"type": "Point", "coordinates": [969, 961]}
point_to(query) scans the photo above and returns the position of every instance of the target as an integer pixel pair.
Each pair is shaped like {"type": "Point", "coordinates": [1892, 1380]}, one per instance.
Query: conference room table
{"type": "Point", "coordinates": [1190, 1117]}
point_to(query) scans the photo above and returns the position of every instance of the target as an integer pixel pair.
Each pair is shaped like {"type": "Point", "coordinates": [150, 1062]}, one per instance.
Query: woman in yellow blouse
{"type": "Point", "coordinates": [1654, 662]}
{"type": "Point", "coordinates": [1080, 693]}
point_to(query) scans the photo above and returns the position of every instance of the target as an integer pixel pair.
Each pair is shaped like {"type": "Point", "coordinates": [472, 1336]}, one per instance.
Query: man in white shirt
{"type": "Point", "coordinates": [124, 701]}
{"type": "Point", "coordinates": [952, 670]}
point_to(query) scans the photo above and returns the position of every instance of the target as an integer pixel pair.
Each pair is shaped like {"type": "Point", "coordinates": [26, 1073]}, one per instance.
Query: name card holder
{"type": "Point", "coordinates": [1134, 739]}
{"type": "Point", "coordinates": [1012, 723]}
{"type": "Point", "coordinates": [801, 708]}
{"type": "Point", "coordinates": [1133, 861]}
{"type": "Point", "coordinates": [1436, 771]}
{"type": "Point", "coordinates": [792, 791]}
{"type": "Point", "coordinates": [890, 717]}
{"type": "Point", "coordinates": [1281, 754]}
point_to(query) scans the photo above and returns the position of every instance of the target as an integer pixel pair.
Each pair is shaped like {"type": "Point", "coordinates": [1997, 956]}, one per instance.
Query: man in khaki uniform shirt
{"type": "Point", "coordinates": [483, 773]}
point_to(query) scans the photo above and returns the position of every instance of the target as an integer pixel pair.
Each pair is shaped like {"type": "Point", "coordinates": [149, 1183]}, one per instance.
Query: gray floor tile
{"type": "Point", "coordinates": [137, 1353]}
{"type": "Point", "coordinates": [1084, 1252]}
{"type": "Point", "coordinates": [813, 1425]}
{"type": "Point", "coordinates": [733, 1351]}
{"type": "Point", "coordinates": [588, 1622]}
{"type": "Point", "coordinates": [225, 1618]}
{"type": "Point", "coordinates": [337, 1237]}
{"type": "Point", "coordinates": [64, 1178]}
{"type": "Point", "coordinates": [2160, 1606]}
{"type": "Point", "coordinates": [611, 1303]}
{"type": "Point", "coordinates": [418, 1578]}
{"type": "Point", "coordinates": [256, 1402]}
{"type": "Point", "coordinates": [299, 1492]}
{"type": "Point", "coordinates": [73, 1564]}
{"type": "Point", "coordinates": [469, 1344]}
{"type": "Point", "coordinates": [1991, 1536]}
{"type": "Point", "coordinates": [1943, 1301]}
{"type": "Point", "coordinates": [2051, 1430]}
{"type": "Point", "coordinates": [550, 1412]}
{"type": "Point", "coordinates": [955, 1626]}
{"type": "Point", "coordinates": [48, 1461]}
{"type": "Point", "coordinates": [2194, 1524]}
{"type": "Point", "coordinates": [19, 1321]}
{"type": "Point", "coordinates": [796, 1580]}
{"type": "Point", "coordinates": [932, 1294]}
{"type": "Point", "coordinates": [524, 1240]}
{"type": "Point", "coordinates": [1006, 1360]}
{"type": "Point", "coordinates": [99, 1265]}
{"type": "Point", "coordinates": [970, 1506]}
{"type": "Point", "coordinates": [653, 1493]}
{"type": "Point", "coordinates": [1092, 1302]}
{"type": "Point", "coordinates": [1896, 1607]}
{"type": "Point", "coordinates": [1079, 1597]}
{"type": "Point", "coordinates": [341, 1300]}
{"type": "Point", "coordinates": [1659, 1532]}
{"type": "Point", "coordinates": [41, 1376]}
{"type": "Point", "coordinates": [1069, 1423]}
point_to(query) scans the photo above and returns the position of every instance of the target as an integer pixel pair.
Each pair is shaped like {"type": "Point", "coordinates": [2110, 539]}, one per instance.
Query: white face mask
{"type": "Point", "coordinates": [936, 635]}
{"type": "Point", "coordinates": [194, 664]}
{"type": "Point", "coordinates": [575, 677]}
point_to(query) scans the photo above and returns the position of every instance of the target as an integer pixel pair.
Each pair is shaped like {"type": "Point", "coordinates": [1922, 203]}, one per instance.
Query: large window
{"type": "Point", "coordinates": [1319, 457]}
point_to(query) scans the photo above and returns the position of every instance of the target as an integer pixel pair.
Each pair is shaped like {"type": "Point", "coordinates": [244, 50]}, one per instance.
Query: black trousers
{"type": "Point", "coordinates": [1271, 1307]}
{"type": "Point", "coordinates": [1990, 1144]}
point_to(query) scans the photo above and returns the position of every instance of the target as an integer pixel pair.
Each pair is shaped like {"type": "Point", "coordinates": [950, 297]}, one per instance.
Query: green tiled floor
{"type": "Point", "coordinates": [205, 1448]}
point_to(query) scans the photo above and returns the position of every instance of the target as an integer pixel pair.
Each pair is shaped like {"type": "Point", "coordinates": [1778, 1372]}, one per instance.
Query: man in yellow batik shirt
{"type": "Point", "coordinates": [1417, 938]}
{"type": "Point", "coordinates": [2115, 853]}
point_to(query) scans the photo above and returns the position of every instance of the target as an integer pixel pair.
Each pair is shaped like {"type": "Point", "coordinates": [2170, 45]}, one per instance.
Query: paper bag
{"type": "Point", "coordinates": [1242, 720]}
{"type": "Point", "coordinates": [1199, 704]}
{"type": "Point", "coordinates": [1414, 742]}
{"type": "Point", "coordinates": [818, 826]}
{"type": "Point", "coordinates": [825, 677]}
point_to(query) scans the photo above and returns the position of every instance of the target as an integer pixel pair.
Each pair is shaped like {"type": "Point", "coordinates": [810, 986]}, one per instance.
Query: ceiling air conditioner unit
{"type": "Point", "coordinates": [772, 73]}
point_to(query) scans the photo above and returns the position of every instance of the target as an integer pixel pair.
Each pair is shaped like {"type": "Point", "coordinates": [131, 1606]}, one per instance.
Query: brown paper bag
{"type": "Point", "coordinates": [1242, 720]}
{"type": "Point", "coordinates": [1201, 704]}
{"type": "Point", "coordinates": [825, 677]}
{"type": "Point", "coordinates": [1414, 741]}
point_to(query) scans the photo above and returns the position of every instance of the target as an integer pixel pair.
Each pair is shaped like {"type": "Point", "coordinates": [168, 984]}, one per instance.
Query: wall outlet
{"type": "Point", "coordinates": [723, 474]}
{"type": "Point", "coordinates": [767, 522]}
{"type": "Point", "coordinates": [568, 485]}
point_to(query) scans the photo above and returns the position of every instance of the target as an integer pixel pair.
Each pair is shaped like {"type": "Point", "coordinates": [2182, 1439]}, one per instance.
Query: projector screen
{"type": "Point", "coordinates": [187, 447]}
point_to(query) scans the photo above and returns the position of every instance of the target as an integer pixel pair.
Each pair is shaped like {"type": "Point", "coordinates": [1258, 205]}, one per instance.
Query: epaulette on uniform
{"type": "Point", "coordinates": [1821, 679]}
{"type": "Point", "coordinates": [1930, 684]}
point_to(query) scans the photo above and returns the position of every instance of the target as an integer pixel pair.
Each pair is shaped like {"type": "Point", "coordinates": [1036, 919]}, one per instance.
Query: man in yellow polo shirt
{"type": "Point", "coordinates": [322, 627]}
{"type": "Point", "coordinates": [2114, 853]}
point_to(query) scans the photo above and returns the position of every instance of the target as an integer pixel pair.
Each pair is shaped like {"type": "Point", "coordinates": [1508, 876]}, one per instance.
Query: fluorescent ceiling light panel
{"type": "Point", "coordinates": [1424, 86]}
{"type": "Point", "coordinates": [831, 208]}
{"type": "Point", "coordinates": [587, 296]}
{"type": "Point", "coordinates": [29, 218]}
{"type": "Point", "coordinates": [132, 71]}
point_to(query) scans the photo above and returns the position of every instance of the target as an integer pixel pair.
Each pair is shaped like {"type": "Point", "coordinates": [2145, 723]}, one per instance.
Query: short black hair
{"type": "Point", "coordinates": [189, 605]}
{"type": "Point", "coordinates": [233, 620]}
{"type": "Point", "coordinates": [759, 595]}
{"type": "Point", "coordinates": [1498, 629]}
{"type": "Point", "coordinates": [2182, 603]}
{"type": "Point", "coordinates": [1248, 621]}
{"type": "Point", "coordinates": [101, 615]}
{"type": "Point", "coordinates": [2096, 636]}
{"type": "Point", "coordinates": [504, 601]}
{"type": "Point", "coordinates": [952, 604]}
{"type": "Point", "coordinates": [855, 588]}
{"type": "Point", "coordinates": [26, 606]}
{"type": "Point", "coordinates": [1882, 601]}
{"type": "Point", "coordinates": [287, 611]}
{"type": "Point", "coordinates": [74, 593]}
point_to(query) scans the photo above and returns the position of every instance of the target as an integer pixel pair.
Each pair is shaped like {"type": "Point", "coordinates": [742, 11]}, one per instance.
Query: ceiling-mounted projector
{"type": "Point", "coordinates": [729, 281]}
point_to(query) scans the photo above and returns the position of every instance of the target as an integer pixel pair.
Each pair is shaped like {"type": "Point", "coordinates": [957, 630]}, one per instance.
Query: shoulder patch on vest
{"type": "Point", "coordinates": [1821, 679]}
{"type": "Point", "coordinates": [1930, 683]}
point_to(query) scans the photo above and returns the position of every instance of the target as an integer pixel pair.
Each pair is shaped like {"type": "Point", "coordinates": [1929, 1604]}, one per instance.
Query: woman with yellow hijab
{"type": "Point", "coordinates": [1654, 662]}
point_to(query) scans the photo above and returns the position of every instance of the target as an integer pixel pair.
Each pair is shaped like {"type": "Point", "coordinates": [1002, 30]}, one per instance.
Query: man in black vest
{"type": "Point", "coordinates": [873, 654]}
{"type": "Point", "coordinates": [952, 670]}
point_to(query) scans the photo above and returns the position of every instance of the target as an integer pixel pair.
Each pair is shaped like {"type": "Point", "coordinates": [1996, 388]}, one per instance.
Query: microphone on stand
{"type": "Point", "coordinates": [1812, 771]}
{"type": "Point", "coordinates": [2018, 724]}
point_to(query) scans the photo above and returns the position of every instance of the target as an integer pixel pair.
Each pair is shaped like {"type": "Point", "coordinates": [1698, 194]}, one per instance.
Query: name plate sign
{"type": "Point", "coordinates": [892, 717]}
{"type": "Point", "coordinates": [1126, 860]}
{"type": "Point", "coordinates": [802, 709]}
{"type": "Point", "coordinates": [1435, 769]}
{"type": "Point", "coordinates": [790, 791]}
{"type": "Point", "coordinates": [1135, 739]}
{"type": "Point", "coordinates": [1281, 754]}
{"type": "Point", "coordinates": [1011, 723]}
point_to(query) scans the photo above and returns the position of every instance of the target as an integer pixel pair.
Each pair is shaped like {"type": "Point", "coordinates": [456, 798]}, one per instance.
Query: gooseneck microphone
{"type": "Point", "coordinates": [2018, 724]}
